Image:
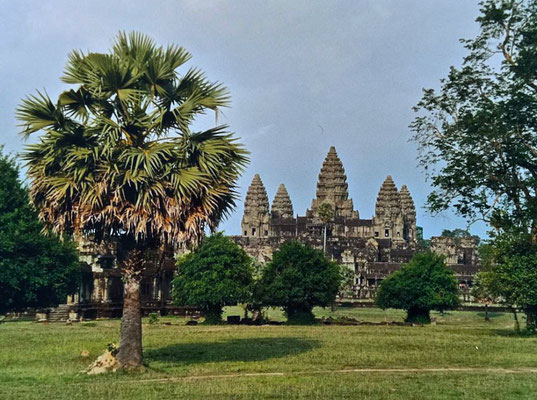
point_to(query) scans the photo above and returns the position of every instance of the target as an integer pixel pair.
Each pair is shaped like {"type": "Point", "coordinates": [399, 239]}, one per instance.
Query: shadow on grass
{"type": "Point", "coordinates": [257, 349]}
{"type": "Point", "coordinates": [491, 314]}
{"type": "Point", "coordinates": [523, 333]}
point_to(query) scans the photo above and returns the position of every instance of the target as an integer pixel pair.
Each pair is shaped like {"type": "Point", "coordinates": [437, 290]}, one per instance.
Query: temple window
{"type": "Point", "coordinates": [266, 233]}
{"type": "Point", "coordinates": [386, 233]}
{"type": "Point", "coordinates": [253, 231]}
{"type": "Point", "coordinates": [376, 234]}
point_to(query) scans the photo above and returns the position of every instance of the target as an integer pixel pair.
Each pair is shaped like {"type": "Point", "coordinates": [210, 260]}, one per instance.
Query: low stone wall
{"type": "Point", "coordinates": [115, 310]}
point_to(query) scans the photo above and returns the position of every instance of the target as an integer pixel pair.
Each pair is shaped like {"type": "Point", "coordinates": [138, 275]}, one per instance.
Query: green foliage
{"type": "Point", "coordinates": [326, 212]}
{"type": "Point", "coordinates": [424, 284]}
{"type": "Point", "coordinates": [298, 278]}
{"type": "Point", "coordinates": [153, 318]}
{"type": "Point", "coordinates": [348, 277]}
{"type": "Point", "coordinates": [460, 234]}
{"type": "Point", "coordinates": [217, 274]}
{"type": "Point", "coordinates": [477, 135]}
{"type": "Point", "coordinates": [510, 273]}
{"type": "Point", "coordinates": [424, 244]}
{"type": "Point", "coordinates": [35, 270]}
{"type": "Point", "coordinates": [116, 156]}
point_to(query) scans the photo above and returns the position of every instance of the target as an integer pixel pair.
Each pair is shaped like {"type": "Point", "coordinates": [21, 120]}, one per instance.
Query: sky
{"type": "Point", "coordinates": [304, 75]}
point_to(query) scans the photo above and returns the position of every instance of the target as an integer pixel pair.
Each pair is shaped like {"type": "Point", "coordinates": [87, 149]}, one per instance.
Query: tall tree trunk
{"type": "Point", "coordinates": [130, 344]}
{"type": "Point", "coordinates": [324, 240]}
{"type": "Point", "coordinates": [531, 319]}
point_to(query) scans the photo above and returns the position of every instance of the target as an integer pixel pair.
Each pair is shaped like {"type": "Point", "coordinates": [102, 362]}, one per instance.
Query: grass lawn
{"type": "Point", "coordinates": [462, 357]}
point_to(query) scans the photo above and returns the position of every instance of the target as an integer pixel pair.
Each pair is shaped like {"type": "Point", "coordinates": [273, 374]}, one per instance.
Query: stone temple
{"type": "Point", "coordinates": [372, 248]}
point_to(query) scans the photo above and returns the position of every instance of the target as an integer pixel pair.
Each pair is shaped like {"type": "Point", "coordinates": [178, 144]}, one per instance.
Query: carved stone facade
{"type": "Point", "coordinates": [372, 248]}
{"type": "Point", "coordinates": [101, 289]}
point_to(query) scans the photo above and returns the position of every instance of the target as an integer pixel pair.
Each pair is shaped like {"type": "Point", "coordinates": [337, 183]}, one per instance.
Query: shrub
{"type": "Point", "coordinates": [422, 285]}
{"type": "Point", "coordinates": [217, 274]}
{"type": "Point", "coordinates": [298, 278]}
{"type": "Point", "coordinates": [153, 318]}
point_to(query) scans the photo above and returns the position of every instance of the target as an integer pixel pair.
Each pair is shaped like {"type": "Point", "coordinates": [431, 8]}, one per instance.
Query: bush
{"type": "Point", "coordinates": [217, 274]}
{"type": "Point", "coordinates": [298, 278]}
{"type": "Point", "coordinates": [153, 318]}
{"type": "Point", "coordinates": [422, 285]}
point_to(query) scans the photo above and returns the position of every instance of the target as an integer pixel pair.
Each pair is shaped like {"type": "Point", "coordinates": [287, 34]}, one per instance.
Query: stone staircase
{"type": "Point", "coordinates": [59, 314]}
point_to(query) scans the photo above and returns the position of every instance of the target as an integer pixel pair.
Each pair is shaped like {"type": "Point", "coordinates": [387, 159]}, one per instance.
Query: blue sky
{"type": "Point", "coordinates": [303, 74]}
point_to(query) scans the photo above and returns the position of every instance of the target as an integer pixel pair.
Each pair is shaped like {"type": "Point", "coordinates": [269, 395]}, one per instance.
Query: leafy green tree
{"type": "Point", "coordinates": [424, 244]}
{"type": "Point", "coordinates": [348, 280]}
{"type": "Point", "coordinates": [422, 285]}
{"type": "Point", "coordinates": [117, 159]}
{"type": "Point", "coordinates": [460, 234]}
{"type": "Point", "coordinates": [477, 135]}
{"type": "Point", "coordinates": [36, 270]}
{"type": "Point", "coordinates": [297, 279]}
{"type": "Point", "coordinates": [217, 274]}
{"type": "Point", "coordinates": [510, 273]}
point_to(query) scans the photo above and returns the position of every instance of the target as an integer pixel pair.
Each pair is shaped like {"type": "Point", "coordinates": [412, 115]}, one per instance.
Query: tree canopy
{"type": "Point", "coordinates": [510, 273]}
{"type": "Point", "coordinates": [477, 134]}
{"type": "Point", "coordinates": [36, 270]}
{"type": "Point", "coordinates": [422, 285]}
{"type": "Point", "coordinates": [217, 274]}
{"type": "Point", "coordinates": [298, 278]}
{"type": "Point", "coordinates": [117, 159]}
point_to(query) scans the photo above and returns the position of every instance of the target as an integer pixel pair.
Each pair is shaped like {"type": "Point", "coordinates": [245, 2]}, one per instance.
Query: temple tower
{"type": "Point", "coordinates": [388, 221]}
{"type": "Point", "coordinates": [255, 221]}
{"type": "Point", "coordinates": [332, 188]}
{"type": "Point", "coordinates": [281, 205]}
{"type": "Point", "coordinates": [409, 214]}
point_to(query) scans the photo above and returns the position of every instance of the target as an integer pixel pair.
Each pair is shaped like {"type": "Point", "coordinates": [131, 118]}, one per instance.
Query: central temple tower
{"type": "Point", "coordinates": [332, 188]}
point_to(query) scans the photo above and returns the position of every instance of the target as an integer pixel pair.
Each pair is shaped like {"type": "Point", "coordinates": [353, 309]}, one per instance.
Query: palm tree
{"type": "Point", "coordinates": [117, 159]}
{"type": "Point", "coordinates": [326, 214]}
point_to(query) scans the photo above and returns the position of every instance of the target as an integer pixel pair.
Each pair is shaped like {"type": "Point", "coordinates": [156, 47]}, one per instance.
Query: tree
{"type": "Point", "coordinates": [326, 214]}
{"type": "Point", "coordinates": [217, 274]}
{"type": "Point", "coordinates": [510, 274]}
{"type": "Point", "coordinates": [36, 270]}
{"type": "Point", "coordinates": [477, 135]}
{"type": "Point", "coordinates": [348, 281]}
{"type": "Point", "coordinates": [117, 159]}
{"type": "Point", "coordinates": [297, 279]}
{"type": "Point", "coordinates": [422, 285]}
{"type": "Point", "coordinates": [460, 234]}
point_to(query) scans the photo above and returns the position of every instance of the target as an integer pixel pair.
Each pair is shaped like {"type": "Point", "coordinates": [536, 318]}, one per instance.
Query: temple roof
{"type": "Point", "coordinates": [332, 181]}
{"type": "Point", "coordinates": [407, 204]}
{"type": "Point", "coordinates": [332, 187]}
{"type": "Point", "coordinates": [388, 199]}
{"type": "Point", "coordinates": [282, 207]}
{"type": "Point", "coordinates": [256, 197]}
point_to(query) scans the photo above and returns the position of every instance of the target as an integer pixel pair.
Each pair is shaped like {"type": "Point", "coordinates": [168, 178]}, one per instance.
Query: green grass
{"type": "Point", "coordinates": [199, 362]}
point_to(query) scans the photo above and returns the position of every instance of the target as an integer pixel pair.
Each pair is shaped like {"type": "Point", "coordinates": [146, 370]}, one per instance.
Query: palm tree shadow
{"type": "Point", "coordinates": [257, 349]}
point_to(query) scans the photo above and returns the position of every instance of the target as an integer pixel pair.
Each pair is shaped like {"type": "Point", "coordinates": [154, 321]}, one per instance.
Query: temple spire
{"type": "Point", "coordinates": [281, 205]}
{"type": "Point", "coordinates": [388, 220]}
{"type": "Point", "coordinates": [332, 187]}
{"type": "Point", "coordinates": [256, 209]}
{"type": "Point", "coordinates": [409, 214]}
{"type": "Point", "coordinates": [407, 204]}
{"type": "Point", "coordinates": [388, 199]}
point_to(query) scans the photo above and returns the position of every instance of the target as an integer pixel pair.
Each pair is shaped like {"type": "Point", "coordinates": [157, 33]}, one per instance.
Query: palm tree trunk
{"type": "Point", "coordinates": [130, 343]}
